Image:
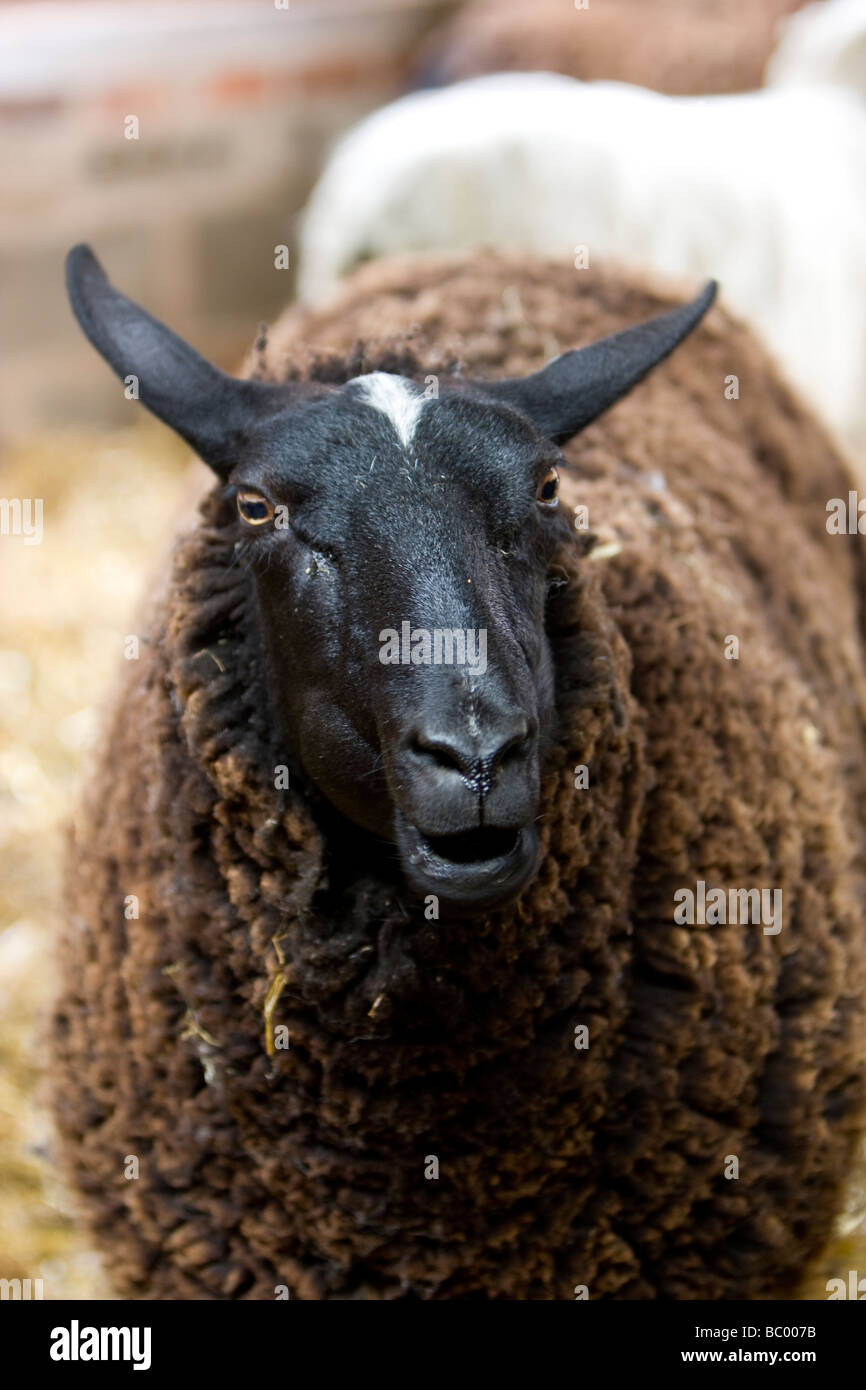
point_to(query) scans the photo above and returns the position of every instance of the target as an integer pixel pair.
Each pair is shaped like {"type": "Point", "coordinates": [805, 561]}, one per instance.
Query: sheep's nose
{"type": "Point", "coordinates": [452, 773]}
{"type": "Point", "coordinates": [477, 754]}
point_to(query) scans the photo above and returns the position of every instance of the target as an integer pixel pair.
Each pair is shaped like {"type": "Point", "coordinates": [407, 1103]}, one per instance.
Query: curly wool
{"type": "Point", "coordinates": [410, 1039]}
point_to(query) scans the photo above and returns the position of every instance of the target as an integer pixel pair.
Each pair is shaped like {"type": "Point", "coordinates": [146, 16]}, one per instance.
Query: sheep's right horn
{"type": "Point", "coordinates": [574, 389]}
{"type": "Point", "coordinates": [209, 409]}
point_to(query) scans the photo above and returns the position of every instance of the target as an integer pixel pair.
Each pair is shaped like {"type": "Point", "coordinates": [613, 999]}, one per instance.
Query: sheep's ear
{"type": "Point", "coordinates": [577, 387]}
{"type": "Point", "coordinates": [212, 411]}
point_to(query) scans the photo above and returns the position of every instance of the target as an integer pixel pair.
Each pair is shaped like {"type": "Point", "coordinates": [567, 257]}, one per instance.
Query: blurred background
{"type": "Point", "coordinates": [183, 140]}
{"type": "Point", "coordinates": [237, 102]}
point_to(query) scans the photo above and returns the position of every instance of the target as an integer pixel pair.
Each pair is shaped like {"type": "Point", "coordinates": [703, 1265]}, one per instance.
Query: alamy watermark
{"type": "Point", "coordinates": [22, 516]}
{"type": "Point", "coordinates": [713, 907]}
{"type": "Point", "coordinates": [854, 1288]}
{"type": "Point", "coordinates": [441, 646]}
{"type": "Point", "coordinates": [846, 516]}
{"type": "Point", "coordinates": [77, 1343]}
{"type": "Point", "coordinates": [20, 1289]}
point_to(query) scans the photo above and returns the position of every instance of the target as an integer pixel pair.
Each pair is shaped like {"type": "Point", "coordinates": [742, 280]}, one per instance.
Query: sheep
{"type": "Point", "coordinates": [824, 44]}
{"type": "Point", "coordinates": [376, 977]}
{"type": "Point", "coordinates": [683, 47]}
{"type": "Point", "coordinates": [766, 190]}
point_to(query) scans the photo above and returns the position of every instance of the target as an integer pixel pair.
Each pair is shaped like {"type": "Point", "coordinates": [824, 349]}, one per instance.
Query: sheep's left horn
{"type": "Point", "coordinates": [212, 411]}
{"type": "Point", "coordinates": [574, 389]}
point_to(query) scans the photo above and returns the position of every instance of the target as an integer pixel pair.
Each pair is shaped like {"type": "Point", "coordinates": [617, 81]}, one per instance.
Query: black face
{"type": "Point", "coordinates": [402, 586]}
{"type": "Point", "coordinates": [400, 549]}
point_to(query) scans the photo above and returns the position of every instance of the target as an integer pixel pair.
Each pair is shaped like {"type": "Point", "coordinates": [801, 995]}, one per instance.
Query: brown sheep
{"type": "Point", "coordinates": [683, 47]}
{"type": "Point", "coordinates": [207, 908]}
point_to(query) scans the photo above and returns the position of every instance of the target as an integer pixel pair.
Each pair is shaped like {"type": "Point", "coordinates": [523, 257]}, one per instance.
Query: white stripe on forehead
{"type": "Point", "coordinates": [395, 397]}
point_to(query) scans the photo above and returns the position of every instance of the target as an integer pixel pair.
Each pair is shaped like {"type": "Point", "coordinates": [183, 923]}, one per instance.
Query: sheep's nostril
{"type": "Point", "coordinates": [446, 755]}
{"type": "Point", "coordinates": [516, 746]}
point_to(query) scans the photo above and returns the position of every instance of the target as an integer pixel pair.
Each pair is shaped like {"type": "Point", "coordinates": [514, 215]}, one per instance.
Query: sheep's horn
{"type": "Point", "coordinates": [209, 409]}
{"type": "Point", "coordinates": [575, 388]}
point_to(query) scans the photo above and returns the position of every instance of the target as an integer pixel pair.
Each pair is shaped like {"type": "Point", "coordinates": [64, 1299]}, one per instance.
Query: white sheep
{"type": "Point", "coordinates": [766, 190]}
{"type": "Point", "coordinates": [824, 43]}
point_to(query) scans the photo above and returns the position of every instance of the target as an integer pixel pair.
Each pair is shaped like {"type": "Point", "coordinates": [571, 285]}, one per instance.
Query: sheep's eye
{"type": "Point", "coordinates": [254, 509]}
{"type": "Point", "coordinates": [548, 489]}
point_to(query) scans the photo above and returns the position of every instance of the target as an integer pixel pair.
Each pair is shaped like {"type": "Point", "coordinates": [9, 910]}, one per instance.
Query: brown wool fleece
{"type": "Point", "coordinates": [683, 47]}
{"type": "Point", "coordinates": [558, 1166]}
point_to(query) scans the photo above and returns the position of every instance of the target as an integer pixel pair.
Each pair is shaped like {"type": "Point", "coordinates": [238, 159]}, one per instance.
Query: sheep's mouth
{"type": "Point", "coordinates": [474, 846]}
{"type": "Point", "coordinates": [472, 870]}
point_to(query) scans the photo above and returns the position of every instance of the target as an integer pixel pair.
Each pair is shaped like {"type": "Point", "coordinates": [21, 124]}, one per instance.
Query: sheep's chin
{"type": "Point", "coordinates": [473, 872]}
